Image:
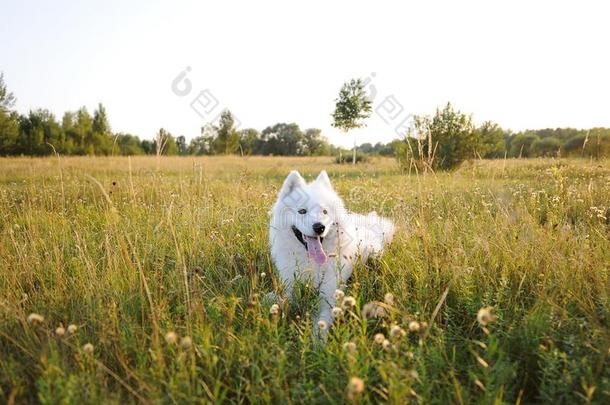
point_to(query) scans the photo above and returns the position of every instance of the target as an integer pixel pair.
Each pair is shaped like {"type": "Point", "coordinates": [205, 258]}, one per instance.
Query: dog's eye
{"type": "Point", "coordinates": [324, 212]}
{"type": "Point", "coordinates": [303, 211]}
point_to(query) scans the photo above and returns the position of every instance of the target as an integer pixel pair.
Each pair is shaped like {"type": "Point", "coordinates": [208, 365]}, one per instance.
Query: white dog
{"type": "Point", "coordinates": [314, 238]}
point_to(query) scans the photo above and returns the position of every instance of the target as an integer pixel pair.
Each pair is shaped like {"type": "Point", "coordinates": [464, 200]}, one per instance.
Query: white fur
{"type": "Point", "coordinates": [347, 237]}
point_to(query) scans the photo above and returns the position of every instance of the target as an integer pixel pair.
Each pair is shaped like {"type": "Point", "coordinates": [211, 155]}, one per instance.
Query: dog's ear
{"type": "Point", "coordinates": [324, 180]}
{"type": "Point", "coordinates": [294, 180]}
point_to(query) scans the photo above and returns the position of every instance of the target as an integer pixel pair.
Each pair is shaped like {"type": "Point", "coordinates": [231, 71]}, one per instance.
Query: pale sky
{"type": "Point", "coordinates": [523, 64]}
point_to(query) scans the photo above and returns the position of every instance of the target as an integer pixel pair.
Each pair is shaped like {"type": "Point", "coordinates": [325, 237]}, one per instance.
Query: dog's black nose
{"type": "Point", "coordinates": [318, 228]}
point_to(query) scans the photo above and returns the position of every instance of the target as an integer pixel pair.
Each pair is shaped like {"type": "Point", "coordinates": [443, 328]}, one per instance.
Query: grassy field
{"type": "Point", "coordinates": [161, 265]}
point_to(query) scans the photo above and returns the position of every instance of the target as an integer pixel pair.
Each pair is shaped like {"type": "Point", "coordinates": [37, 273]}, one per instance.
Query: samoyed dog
{"type": "Point", "coordinates": [314, 238]}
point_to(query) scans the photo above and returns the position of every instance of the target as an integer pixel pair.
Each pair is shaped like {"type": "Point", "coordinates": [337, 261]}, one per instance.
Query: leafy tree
{"type": "Point", "coordinates": [182, 146]}
{"type": "Point", "coordinates": [574, 145]}
{"type": "Point", "coordinates": [379, 148]}
{"type": "Point", "coordinates": [418, 146]}
{"type": "Point", "coordinates": [491, 138]}
{"type": "Point", "coordinates": [39, 130]}
{"type": "Point", "coordinates": [366, 147]}
{"type": "Point", "coordinates": [455, 135]}
{"type": "Point", "coordinates": [100, 123]}
{"type": "Point", "coordinates": [352, 107]}
{"type": "Point", "coordinates": [521, 144]}
{"type": "Point", "coordinates": [9, 132]}
{"type": "Point", "coordinates": [7, 98]}
{"type": "Point", "coordinates": [148, 147]}
{"type": "Point", "coordinates": [441, 142]}
{"type": "Point", "coordinates": [30, 135]}
{"type": "Point", "coordinates": [199, 146]}
{"type": "Point", "coordinates": [390, 148]}
{"type": "Point", "coordinates": [83, 128]}
{"type": "Point", "coordinates": [227, 139]}
{"type": "Point", "coordinates": [204, 144]}
{"type": "Point", "coordinates": [70, 134]}
{"type": "Point", "coordinates": [101, 143]}
{"type": "Point", "coordinates": [128, 144]}
{"type": "Point", "coordinates": [281, 139]}
{"type": "Point", "coordinates": [314, 143]}
{"type": "Point", "coordinates": [164, 143]}
{"type": "Point", "coordinates": [171, 147]}
{"type": "Point", "coordinates": [597, 143]}
{"type": "Point", "coordinates": [594, 142]}
{"type": "Point", "coordinates": [548, 147]}
{"type": "Point", "coordinates": [9, 125]}
{"type": "Point", "coordinates": [247, 140]}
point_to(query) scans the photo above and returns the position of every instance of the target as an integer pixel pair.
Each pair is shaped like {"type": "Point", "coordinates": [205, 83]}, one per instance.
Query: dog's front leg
{"type": "Point", "coordinates": [327, 301]}
{"type": "Point", "coordinates": [335, 277]}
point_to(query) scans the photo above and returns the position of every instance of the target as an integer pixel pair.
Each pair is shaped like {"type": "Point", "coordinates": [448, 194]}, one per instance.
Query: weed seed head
{"type": "Point", "coordinates": [485, 316]}
{"type": "Point", "coordinates": [35, 318]}
{"type": "Point", "coordinates": [171, 338]}
{"type": "Point", "coordinates": [349, 347]}
{"type": "Point", "coordinates": [373, 310]}
{"type": "Point", "coordinates": [339, 294]}
{"type": "Point", "coordinates": [414, 326]}
{"type": "Point", "coordinates": [396, 332]}
{"type": "Point", "coordinates": [349, 302]}
{"type": "Point", "coordinates": [355, 387]}
{"type": "Point", "coordinates": [186, 343]}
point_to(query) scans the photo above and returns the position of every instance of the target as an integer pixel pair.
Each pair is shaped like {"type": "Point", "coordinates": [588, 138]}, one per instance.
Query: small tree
{"type": "Point", "coordinates": [352, 108]}
{"type": "Point", "coordinates": [441, 142]}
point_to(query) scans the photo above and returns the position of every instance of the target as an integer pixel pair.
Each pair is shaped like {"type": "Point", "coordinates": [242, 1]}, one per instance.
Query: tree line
{"type": "Point", "coordinates": [449, 137]}
{"type": "Point", "coordinates": [282, 139]}
{"type": "Point", "coordinates": [79, 132]}
{"type": "Point", "coordinates": [441, 141]}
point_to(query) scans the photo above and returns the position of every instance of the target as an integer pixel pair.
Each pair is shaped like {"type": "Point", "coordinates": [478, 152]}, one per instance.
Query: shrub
{"type": "Point", "coordinates": [346, 157]}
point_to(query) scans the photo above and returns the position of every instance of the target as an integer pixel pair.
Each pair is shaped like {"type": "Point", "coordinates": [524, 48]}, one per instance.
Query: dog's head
{"type": "Point", "coordinates": [309, 211]}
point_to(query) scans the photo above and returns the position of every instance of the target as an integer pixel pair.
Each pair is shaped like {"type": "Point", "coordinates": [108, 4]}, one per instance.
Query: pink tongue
{"type": "Point", "coordinates": [315, 250]}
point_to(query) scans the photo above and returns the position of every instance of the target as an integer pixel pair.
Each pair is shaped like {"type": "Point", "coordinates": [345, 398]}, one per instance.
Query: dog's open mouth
{"type": "Point", "coordinates": [313, 245]}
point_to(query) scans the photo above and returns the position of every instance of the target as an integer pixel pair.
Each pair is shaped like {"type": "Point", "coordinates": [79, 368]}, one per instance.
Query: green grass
{"type": "Point", "coordinates": [131, 250]}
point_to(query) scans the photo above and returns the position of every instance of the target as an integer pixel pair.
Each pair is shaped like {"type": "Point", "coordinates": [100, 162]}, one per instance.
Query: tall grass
{"type": "Point", "coordinates": [162, 265]}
